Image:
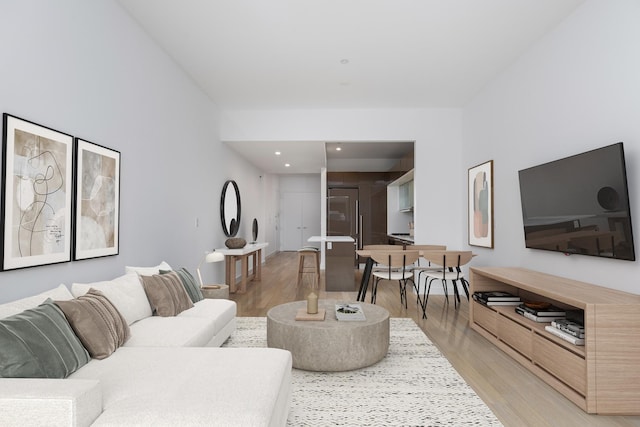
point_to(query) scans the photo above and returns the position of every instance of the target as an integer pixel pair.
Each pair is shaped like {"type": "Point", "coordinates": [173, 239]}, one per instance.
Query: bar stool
{"type": "Point", "coordinates": [314, 253]}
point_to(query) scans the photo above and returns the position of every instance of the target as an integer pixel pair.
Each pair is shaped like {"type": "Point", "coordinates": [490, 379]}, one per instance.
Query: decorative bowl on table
{"type": "Point", "coordinates": [235, 243]}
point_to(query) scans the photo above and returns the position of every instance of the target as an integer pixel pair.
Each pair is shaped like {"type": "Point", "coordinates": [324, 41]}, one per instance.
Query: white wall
{"type": "Point", "coordinates": [440, 199]}
{"type": "Point", "coordinates": [577, 89]}
{"type": "Point", "coordinates": [85, 68]}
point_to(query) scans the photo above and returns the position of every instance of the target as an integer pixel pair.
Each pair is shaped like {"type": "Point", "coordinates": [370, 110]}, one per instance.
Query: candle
{"type": "Point", "coordinates": [312, 303]}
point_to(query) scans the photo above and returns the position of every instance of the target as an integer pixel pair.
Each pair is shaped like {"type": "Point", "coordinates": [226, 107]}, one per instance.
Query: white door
{"type": "Point", "coordinates": [300, 219]}
{"type": "Point", "coordinates": [310, 218]}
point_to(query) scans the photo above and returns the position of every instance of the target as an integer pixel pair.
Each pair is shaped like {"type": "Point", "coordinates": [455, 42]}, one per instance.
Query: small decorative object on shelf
{"type": "Point", "coordinates": [235, 243]}
{"type": "Point", "coordinates": [312, 303]}
{"type": "Point", "coordinates": [350, 312]}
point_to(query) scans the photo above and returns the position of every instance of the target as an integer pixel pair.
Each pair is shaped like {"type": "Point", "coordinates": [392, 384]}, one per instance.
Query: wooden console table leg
{"type": "Point", "coordinates": [257, 265]}
{"type": "Point", "coordinates": [244, 265]}
{"type": "Point", "coordinates": [230, 269]}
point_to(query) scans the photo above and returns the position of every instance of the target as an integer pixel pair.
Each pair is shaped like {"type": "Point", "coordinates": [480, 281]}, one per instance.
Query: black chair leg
{"type": "Point", "coordinates": [417, 288]}
{"type": "Point", "coordinates": [456, 294]}
{"type": "Point", "coordinates": [446, 291]}
{"type": "Point", "coordinates": [374, 290]}
{"type": "Point", "coordinates": [465, 286]}
{"type": "Point", "coordinates": [403, 292]}
{"type": "Point", "coordinates": [426, 298]}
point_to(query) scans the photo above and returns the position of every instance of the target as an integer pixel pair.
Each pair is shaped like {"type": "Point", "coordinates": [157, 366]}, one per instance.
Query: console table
{"type": "Point", "coordinates": [232, 256]}
{"type": "Point", "coordinates": [601, 377]}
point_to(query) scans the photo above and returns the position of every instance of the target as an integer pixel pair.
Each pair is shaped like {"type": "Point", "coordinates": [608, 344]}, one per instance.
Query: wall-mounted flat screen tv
{"type": "Point", "coordinates": [579, 205]}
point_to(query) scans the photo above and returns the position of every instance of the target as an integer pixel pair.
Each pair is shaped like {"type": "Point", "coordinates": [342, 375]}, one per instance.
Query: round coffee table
{"type": "Point", "coordinates": [329, 345]}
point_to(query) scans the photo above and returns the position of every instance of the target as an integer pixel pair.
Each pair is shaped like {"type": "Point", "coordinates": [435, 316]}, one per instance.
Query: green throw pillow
{"type": "Point", "coordinates": [39, 343]}
{"type": "Point", "coordinates": [189, 283]}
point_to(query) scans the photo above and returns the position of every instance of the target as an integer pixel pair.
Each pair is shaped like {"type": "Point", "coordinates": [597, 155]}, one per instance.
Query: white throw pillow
{"type": "Point", "coordinates": [18, 306]}
{"type": "Point", "coordinates": [148, 271]}
{"type": "Point", "coordinates": [125, 292]}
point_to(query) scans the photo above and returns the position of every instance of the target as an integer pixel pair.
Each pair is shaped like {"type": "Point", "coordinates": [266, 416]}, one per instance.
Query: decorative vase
{"type": "Point", "coordinates": [235, 243]}
{"type": "Point", "coordinates": [312, 303]}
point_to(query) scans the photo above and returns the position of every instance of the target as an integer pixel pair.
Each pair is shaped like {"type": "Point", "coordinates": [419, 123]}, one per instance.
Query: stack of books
{"type": "Point", "coordinates": [568, 330]}
{"type": "Point", "coordinates": [540, 312]}
{"type": "Point", "coordinates": [496, 298]}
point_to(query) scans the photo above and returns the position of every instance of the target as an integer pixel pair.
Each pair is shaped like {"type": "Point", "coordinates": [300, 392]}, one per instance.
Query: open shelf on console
{"type": "Point", "coordinates": [601, 376]}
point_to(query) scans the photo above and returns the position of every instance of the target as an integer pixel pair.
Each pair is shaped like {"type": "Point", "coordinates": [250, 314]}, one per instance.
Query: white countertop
{"type": "Point", "coordinates": [330, 239]}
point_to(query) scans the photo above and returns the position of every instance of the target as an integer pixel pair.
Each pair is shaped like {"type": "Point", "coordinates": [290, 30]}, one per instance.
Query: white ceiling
{"type": "Point", "coordinates": [292, 54]}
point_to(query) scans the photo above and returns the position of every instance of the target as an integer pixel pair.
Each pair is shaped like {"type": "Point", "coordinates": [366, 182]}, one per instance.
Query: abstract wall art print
{"type": "Point", "coordinates": [97, 201]}
{"type": "Point", "coordinates": [37, 182]}
{"type": "Point", "coordinates": [481, 205]}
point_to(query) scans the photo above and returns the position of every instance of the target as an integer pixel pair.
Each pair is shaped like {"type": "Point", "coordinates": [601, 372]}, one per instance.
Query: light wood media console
{"type": "Point", "coordinates": [601, 377]}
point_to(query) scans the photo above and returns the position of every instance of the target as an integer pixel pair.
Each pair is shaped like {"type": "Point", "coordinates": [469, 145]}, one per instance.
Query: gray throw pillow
{"type": "Point", "coordinates": [189, 283]}
{"type": "Point", "coordinates": [39, 343]}
{"type": "Point", "coordinates": [97, 322]}
{"type": "Point", "coordinates": [166, 294]}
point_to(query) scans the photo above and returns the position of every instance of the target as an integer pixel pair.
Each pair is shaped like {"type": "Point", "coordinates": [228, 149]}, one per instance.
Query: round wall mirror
{"type": "Point", "coordinates": [230, 208]}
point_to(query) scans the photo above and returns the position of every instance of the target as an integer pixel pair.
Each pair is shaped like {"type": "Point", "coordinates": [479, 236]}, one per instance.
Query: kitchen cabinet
{"type": "Point", "coordinates": [405, 197]}
{"type": "Point", "coordinates": [400, 206]}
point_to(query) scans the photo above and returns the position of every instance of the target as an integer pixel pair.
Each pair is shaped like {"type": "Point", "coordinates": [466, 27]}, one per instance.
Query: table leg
{"type": "Point", "coordinates": [257, 264]}
{"type": "Point", "coordinates": [244, 265]}
{"type": "Point", "coordinates": [366, 275]}
{"type": "Point", "coordinates": [230, 267]}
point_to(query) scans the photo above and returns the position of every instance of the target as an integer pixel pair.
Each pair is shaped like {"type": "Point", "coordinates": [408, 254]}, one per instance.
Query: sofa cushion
{"type": "Point", "coordinates": [18, 306]}
{"type": "Point", "coordinates": [39, 343]}
{"type": "Point", "coordinates": [148, 271]}
{"type": "Point", "coordinates": [125, 292]}
{"type": "Point", "coordinates": [193, 386]}
{"type": "Point", "coordinates": [222, 311]}
{"type": "Point", "coordinates": [97, 322]}
{"type": "Point", "coordinates": [166, 294]}
{"type": "Point", "coordinates": [178, 331]}
{"type": "Point", "coordinates": [189, 283]}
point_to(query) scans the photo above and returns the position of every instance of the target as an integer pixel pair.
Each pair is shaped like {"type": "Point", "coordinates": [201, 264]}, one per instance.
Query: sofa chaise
{"type": "Point", "coordinates": [169, 370]}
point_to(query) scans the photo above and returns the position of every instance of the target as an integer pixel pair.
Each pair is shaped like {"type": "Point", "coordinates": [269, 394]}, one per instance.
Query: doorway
{"type": "Point", "coordinates": [300, 219]}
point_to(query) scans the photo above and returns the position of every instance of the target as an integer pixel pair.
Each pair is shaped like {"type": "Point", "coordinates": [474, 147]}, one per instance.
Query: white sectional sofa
{"type": "Point", "coordinates": [170, 371]}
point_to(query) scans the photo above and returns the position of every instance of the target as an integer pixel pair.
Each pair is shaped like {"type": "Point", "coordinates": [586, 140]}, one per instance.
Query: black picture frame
{"type": "Point", "coordinates": [37, 187]}
{"type": "Point", "coordinates": [97, 201]}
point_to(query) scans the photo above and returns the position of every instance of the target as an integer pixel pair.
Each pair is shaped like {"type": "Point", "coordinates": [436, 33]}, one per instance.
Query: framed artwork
{"type": "Point", "coordinates": [37, 177]}
{"type": "Point", "coordinates": [97, 201]}
{"type": "Point", "coordinates": [481, 205]}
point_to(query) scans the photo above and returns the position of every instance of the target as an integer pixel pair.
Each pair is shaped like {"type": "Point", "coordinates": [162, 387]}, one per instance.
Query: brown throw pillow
{"type": "Point", "coordinates": [166, 294]}
{"type": "Point", "coordinates": [97, 323]}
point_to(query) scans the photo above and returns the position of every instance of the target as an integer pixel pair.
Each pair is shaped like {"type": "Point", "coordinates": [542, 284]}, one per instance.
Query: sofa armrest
{"type": "Point", "coordinates": [39, 402]}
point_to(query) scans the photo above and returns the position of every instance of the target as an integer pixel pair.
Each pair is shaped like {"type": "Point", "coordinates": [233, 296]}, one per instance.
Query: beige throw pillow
{"type": "Point", "coordinates": [166, 294]}
{"type": "Point", "coordinates": [97, 323]}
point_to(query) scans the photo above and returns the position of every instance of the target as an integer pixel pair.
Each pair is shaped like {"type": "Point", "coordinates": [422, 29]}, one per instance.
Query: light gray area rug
{"type": "Point", "coordinates": [414, 385]}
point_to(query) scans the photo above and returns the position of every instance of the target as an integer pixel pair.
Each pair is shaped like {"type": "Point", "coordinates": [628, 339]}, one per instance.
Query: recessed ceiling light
{"type": "Point", "coordinates": [338, 148]}
{"type": "Point", "coordinates": [344, 61]}
{"type": "Point", "coordinates": [277, 153]}
{"type": "Point", "coordinates": [286, 165]}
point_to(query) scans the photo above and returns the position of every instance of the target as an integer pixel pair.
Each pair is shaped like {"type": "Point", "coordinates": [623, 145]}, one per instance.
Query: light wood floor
{"type": "Point", "coordinates": [517, 397]}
